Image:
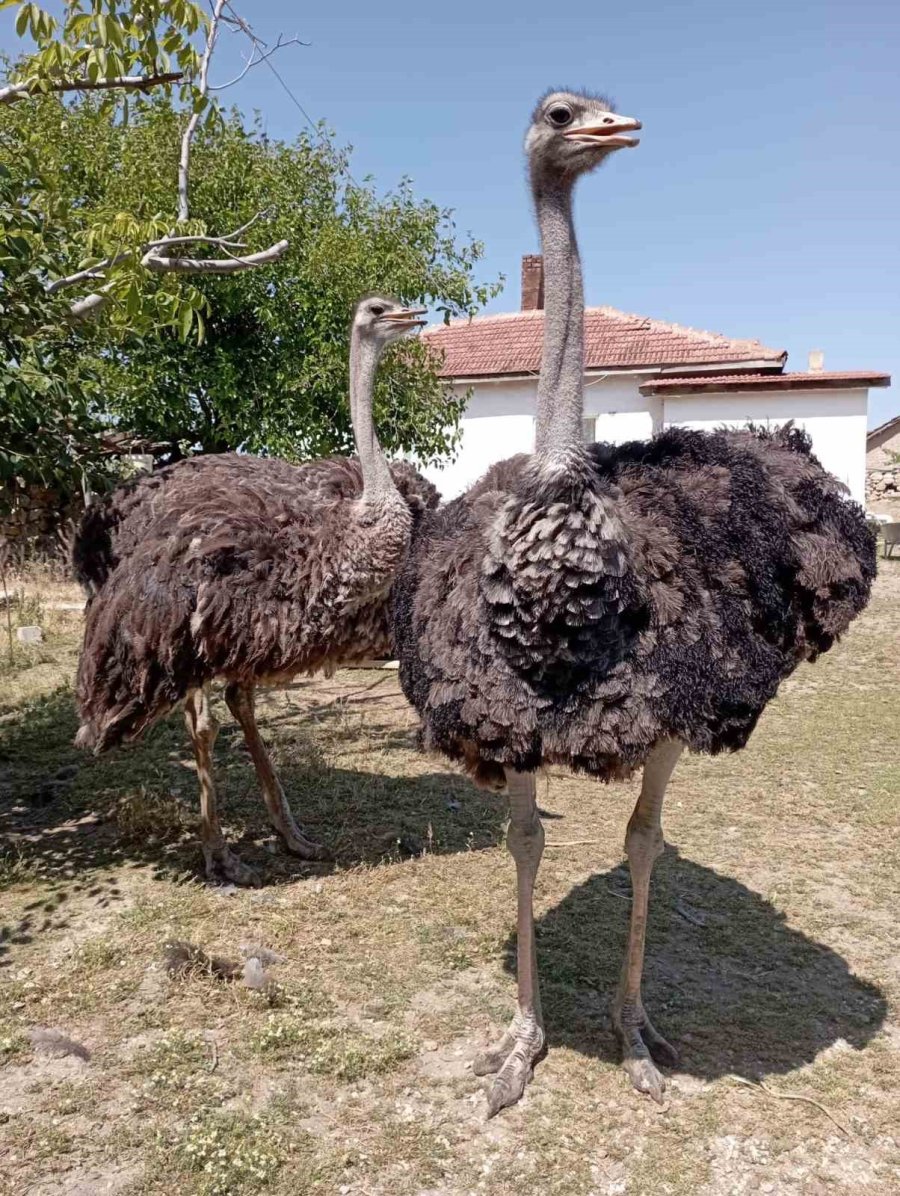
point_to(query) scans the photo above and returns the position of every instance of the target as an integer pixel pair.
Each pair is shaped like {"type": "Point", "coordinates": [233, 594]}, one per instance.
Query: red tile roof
{"type": "Point", "coordinates": [511, 344]}
{"type": "Point", "coordinates": [846, 380]}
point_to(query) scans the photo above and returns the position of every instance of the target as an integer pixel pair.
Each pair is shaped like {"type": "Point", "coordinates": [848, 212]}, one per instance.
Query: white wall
{"type": "Point", "coordinates": [499, 422]}
{"type": "Point", "coordinates": [835, 419]}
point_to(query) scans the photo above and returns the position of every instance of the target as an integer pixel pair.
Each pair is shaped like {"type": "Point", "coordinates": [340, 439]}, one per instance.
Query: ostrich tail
{"type": "Point", "coordinates": [99, 735]}
{"type": "Point", "coordinates": [787, 435]}
{"type": "Point", "coordinates": [86, 737]}
{"type": "Point", "coordinates": [92, 554]}
{"type": "Point", "coordinates": [108, 729]}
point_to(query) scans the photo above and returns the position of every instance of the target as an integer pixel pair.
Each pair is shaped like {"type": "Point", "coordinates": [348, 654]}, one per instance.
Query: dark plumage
{"type": "Point", "coordinates": [113, 526]}
{"type": "Point", "coordinates": [664, 593]}
{"type": "Point", "coordinates": [602, 607]}
{"type": "Point", "coordinates": [246, 569]}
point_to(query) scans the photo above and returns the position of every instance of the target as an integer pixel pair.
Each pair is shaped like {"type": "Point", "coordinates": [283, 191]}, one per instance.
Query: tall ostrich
{"type": "Point", "coordinates": [604, 606]}
{"type": "Point", "coordinates": [246, 569]}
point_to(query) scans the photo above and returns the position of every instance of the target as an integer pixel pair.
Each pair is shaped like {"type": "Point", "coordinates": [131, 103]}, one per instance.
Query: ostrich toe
{"type": "Point", "coordinates": [645, 1078]}
{"type": "Point", "coordinates": [223, 865]}
{"type": "Point", "coordinates": [298, 844]}
{"type": "Point", "coordinates": [512, 1060]}
{"type": "Point", "coordinates": [642, 1046]}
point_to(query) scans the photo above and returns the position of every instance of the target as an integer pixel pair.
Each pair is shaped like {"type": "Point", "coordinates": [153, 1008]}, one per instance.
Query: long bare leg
{"type": "Point", "coordinates": [221, 862]}
{"type": "Point", "coordinates": [643, 845]}
{"type": "Point", "coordinates": [514, 1055]}
{"type": "Point", "coordinates": [240, 703]}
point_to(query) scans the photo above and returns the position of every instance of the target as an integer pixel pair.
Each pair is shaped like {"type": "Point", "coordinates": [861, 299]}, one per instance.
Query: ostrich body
{"type": "Point", "coordinates": [601, 607]}
{"type": "Point", "coordinates": [246, 569]}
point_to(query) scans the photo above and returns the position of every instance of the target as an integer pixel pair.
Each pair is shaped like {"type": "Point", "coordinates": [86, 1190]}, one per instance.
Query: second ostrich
{"type": "Point", "coordinates": [603, 606]}
{"type": "Point", "coordinates": [246, 569]}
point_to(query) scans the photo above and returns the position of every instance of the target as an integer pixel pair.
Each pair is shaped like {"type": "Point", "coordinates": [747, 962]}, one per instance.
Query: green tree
{"type": "Point", "coordinates": [107, 131]}
{"type": "Point", "coordinates": [270, 372]}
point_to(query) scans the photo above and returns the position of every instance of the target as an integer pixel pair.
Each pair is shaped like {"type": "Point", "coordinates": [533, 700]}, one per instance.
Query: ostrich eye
{"type": "Point", "coordinates": [376, 310]}
{"type": "Point", "coordinates": [560, 115]}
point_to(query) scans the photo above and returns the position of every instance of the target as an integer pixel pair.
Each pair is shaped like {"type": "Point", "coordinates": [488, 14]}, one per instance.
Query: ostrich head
{"type": "Point", "coordinates": [379, 319]}
{"type": "Point", "coordinates": [572, 133]}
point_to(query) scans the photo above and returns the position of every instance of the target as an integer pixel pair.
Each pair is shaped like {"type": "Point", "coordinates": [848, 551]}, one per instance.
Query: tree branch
{"type": "Point", "coordinates": [151, 260]}
{"type": "Point", "coordinates": [184, 160]}
{"type": "Point", "coordinates": [92, 272]}
{"type": "Point", "coordinates": [83, 309]}
{"type": "Point", "coordinates": [211, 265]}
{"type": "Point", "coordinates": [19, 91]}
{"type": "Point", "coordinates": [252, 61]}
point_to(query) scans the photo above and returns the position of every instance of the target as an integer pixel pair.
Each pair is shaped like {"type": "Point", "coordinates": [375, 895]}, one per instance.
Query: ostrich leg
{"type": "Point", "coordinates": [513, 1056]}
{"type": "Point", "coordinates": [643, 845]}
{"type": "Point", "coordinates": [221, 862]}
{"type": "Point", "coordinates": [240, 703]}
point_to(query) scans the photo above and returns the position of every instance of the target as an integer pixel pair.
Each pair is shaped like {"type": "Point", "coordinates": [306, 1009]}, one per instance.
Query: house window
{"type": "Point", "coordinates": [589, 429]}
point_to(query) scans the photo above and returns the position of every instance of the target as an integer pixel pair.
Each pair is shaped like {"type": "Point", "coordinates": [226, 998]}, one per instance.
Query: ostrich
{"type": "Point", "coordinates": [246, 569]}
{"type": "Point", "coordinates": [602, 607]}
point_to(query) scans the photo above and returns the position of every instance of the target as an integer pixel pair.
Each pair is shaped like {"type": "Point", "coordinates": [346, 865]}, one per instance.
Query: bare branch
{"type": "Point", "coordinates": [253, 61]}
{"type": "Point", "coordinates": [198, 239]}
{"type": "Point", "coordinates": [83, 309]}
{"type": "Point", "coordinates": [198, 265]}
{"type": "Point", "coordinates": [92, 272]}
{"type": "Point", "coordinates": [151, 258]}
{"type": "Point", "coordinates": [184, 160]}
{"type": "Point", "coordinates": [19, 91]}
{"type": "Point", "coordinates": [157, 264]}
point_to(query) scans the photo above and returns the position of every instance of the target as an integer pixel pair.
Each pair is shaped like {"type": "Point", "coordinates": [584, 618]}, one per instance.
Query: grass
{"type": "Point", "coordinates": [350, 1075]}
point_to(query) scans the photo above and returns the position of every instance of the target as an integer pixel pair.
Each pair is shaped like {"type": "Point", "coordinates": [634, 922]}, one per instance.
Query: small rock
{"type": "Point", "coordinates": [255, 975]}
{"type": "Point", "coordinates": [56, 1044]}
{"type": "Point", "coordinates": [29, 635]}
{"type": "Point", "coordinates": [257, 951]}
{"type": "Point", "coordinates": [430, 1045]}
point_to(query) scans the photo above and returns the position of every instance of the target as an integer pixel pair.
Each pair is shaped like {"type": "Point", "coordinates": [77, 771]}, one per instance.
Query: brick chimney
{"type": "Point", "coordinates": [532, 282]}
{"type": "Point", "coordinates": [816, 361]}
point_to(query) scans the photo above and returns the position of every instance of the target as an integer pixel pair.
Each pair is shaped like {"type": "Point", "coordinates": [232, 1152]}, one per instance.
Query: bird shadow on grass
{"type": "Point", "coordinates": [67, 817]}
{"type": "Point", "coordinates": [726, 981]}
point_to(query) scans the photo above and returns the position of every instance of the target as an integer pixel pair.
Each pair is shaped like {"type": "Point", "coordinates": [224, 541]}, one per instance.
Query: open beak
{"type": "Point", "coordinates": [608, 132]}
{"type": "Point", "coordinates": [408, 318]}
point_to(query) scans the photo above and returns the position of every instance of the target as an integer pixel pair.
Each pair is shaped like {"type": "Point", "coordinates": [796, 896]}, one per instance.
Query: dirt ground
{"type": "Point", "coordinates": [773, 959]}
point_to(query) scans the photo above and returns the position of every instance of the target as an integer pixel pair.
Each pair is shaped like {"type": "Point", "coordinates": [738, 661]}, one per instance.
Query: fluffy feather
{"type": "Point", "coordinates": [663, 589]}
{"type": "Point", "coordinates": [244, 568]}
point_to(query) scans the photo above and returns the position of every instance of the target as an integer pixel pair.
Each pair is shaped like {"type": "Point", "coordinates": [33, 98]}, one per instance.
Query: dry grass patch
{"type": "Point", "coordinates": [771, 956]}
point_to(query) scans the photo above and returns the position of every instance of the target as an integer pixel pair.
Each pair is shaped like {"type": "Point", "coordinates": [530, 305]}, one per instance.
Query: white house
{"type": "Point", "coordinates": [641, 375]}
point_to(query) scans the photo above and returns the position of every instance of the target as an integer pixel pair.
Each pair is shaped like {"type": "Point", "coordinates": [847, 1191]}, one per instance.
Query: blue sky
{"type": "Point", "coordinates": [762, 202]}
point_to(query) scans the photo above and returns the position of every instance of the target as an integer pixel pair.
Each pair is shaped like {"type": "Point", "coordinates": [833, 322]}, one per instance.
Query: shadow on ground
{"type": "Point", "coordinates": [65, 814]}
{"type": "Point", "coordinates": [742, 993]}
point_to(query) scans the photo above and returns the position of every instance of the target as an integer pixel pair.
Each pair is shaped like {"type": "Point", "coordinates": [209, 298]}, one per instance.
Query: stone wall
{"type": "Point", "coordinates": [885, 452]}
{"type": "Point", "coordinates": [883, 484]}
{"type": "Point", "coordinates": [37, 521]}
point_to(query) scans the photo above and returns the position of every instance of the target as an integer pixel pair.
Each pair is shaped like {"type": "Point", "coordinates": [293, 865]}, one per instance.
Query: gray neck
{"type": "Point", "coordinates": [376, 475]}
{"type": "Point", "coordinates": [560, 394]}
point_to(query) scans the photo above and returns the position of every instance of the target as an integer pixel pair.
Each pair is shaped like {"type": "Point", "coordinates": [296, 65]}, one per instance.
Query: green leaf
{"type": "Point", "coordinates": [187, 318]}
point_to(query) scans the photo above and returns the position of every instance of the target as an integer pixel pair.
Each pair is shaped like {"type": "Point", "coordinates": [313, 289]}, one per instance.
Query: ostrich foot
{"type": "Point", "coordinates": [224, 866]}
{"type": "Point", "coordinates": [298, 844]}
{"type": "Point", "coordinates": [642, 1046]}
{"type": "Point", "coordinates": [512, 1061]}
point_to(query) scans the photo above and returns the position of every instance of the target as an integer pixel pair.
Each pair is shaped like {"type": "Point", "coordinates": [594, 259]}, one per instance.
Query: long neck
{"type": "Point", "coordinates": [377, 480]}
{"type": "Point", "coordinates": [560, 395]}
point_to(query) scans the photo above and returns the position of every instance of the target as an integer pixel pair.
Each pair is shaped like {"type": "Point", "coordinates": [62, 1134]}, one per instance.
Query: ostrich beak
{"type": "Point", "coordinates": [406, 318]}
{"type": "Point", "coordinates": [606, 132]}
